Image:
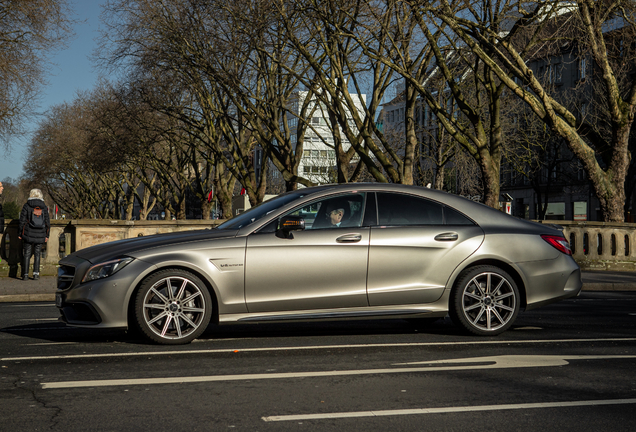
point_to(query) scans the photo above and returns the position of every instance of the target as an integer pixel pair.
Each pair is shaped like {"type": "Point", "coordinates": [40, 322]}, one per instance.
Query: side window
{"type": "Point", "coordinates": [333, 212]}
{"type": "Point", "coordinates": [401, 210]}
{"type": "Point", "coordinates": [370, 211]}
{"type": "Point", "coordinates": [453, 217]}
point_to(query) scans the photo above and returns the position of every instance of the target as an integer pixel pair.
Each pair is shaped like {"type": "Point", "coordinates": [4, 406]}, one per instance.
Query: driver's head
{"type": "Point", "coordinates": [335, 212]}
{"type": "Point", "coordinates": [335, 216]}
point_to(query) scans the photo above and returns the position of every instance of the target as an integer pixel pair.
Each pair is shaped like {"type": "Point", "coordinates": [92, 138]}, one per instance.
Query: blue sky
{"type": "Point", "coordinates": [72, 72]}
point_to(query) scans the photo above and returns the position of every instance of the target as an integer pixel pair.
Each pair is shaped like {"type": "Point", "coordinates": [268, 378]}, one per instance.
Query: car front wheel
{"type": "Point", "coordinates": [173, 307]}
{"type": "Point", "coordinates": [484, 301]}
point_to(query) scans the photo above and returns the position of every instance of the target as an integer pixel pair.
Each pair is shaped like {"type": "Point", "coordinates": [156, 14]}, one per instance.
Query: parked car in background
{"type": "Point", "coordinates": [397, 252]}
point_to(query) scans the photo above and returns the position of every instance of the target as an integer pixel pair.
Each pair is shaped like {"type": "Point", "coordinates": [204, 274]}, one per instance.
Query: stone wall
{"type": "Point", "coordinates": [602, 245]}
{"type": "Point", "coordinates": [68, 236]}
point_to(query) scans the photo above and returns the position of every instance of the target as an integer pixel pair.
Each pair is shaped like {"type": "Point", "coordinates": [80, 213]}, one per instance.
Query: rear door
{"type": "Point", "coordinates": [414, 248]}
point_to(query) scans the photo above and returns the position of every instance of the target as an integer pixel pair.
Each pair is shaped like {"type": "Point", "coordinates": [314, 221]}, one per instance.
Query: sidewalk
{"type": "Point", "coordinates": [17, 290]}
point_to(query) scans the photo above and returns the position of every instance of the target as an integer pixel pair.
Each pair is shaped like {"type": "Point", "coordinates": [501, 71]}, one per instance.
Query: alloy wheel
{"type": "Point", "coordinates": [174, 308]}
{"type": "Point", "coordinates": [489, 301]}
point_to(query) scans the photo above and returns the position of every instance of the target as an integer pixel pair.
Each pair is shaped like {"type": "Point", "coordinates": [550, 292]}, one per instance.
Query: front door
{"type": "Point", "coordinates": [322, 267]}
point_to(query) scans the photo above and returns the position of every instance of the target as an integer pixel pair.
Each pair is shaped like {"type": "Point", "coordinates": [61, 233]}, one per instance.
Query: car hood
{"type": "Point", "coordinates": [129, 247]}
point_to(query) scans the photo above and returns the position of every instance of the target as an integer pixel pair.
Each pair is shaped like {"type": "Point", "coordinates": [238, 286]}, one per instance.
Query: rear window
{"type": "Point", "coordinates": [399, 210]}
{"type": "Point", "coordinates": [406, 210]}
{"type": "Point", "coordinates": [453, 217]}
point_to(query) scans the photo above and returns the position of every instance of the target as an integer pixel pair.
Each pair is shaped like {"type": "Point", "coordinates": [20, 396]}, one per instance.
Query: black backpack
{"type": "Point", "coordinates": [36, 219]}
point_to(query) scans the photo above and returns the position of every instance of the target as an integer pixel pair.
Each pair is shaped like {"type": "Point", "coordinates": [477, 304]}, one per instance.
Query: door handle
{"type": "Point", "coordinates": [349, 238]}
{"type": "Point", "coordinates": [449, 236]}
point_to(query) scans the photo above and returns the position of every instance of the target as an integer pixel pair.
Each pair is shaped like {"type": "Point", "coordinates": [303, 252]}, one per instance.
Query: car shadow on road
{"type": "Point", "coordinates": [330, 328]}
{"type": "Point", "coordinates": [58, 332]}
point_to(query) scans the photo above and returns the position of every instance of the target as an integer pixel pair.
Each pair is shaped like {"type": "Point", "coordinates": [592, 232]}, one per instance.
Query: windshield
{"type": "Point", "coordinates": [261, 210]}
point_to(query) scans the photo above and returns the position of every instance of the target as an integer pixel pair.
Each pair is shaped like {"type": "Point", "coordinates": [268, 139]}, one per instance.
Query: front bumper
{"type": "Point", "coordinates": [101, 303]}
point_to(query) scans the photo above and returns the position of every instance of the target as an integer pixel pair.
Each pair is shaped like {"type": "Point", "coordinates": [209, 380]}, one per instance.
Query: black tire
{"type": "Point", "coordinates": [485, 301]}
{"type": "Point", "coordinates": [172, 307]}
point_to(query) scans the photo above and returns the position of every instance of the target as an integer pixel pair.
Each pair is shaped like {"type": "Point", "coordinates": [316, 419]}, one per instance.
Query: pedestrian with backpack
{"type": "Point", "coordinates": [1, 211]}
{"type": "Point", "coordinates": [35, 227]}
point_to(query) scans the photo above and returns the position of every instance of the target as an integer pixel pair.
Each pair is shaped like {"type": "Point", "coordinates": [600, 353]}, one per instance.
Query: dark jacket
{"type": "Point", "coordinates": [27, 232]}
{"type": "Point", "coordinates": [1, 219]}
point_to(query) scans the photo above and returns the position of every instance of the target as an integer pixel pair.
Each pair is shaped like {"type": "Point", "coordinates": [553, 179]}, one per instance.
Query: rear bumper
{"type": "Point", "coordinates": [552, 280]}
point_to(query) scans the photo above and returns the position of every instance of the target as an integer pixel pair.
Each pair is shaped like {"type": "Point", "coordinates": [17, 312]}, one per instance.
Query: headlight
{"type": "Point", "coordinates": [105, 269]}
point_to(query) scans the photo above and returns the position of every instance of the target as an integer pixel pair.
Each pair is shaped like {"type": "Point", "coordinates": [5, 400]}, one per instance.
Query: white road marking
{"type": "Point", "coordinates": [516, 361]}
{"type": "Point", "coordinates": [313, 347]}
{"type": "Point", "coordinates": [52, 343]}
{"type": "Point", "coordinates": [442, 410]}
{"type": "Point", "coordinates": [494, 362]}
{"type": "Point", "coordinates": [38, 319]}
{"type": "Point", "coordinates": [32, 305]}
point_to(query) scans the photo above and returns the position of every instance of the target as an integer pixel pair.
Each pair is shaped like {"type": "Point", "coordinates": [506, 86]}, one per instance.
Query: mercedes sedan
{"type": "Point", "coordinates": [337, 252]}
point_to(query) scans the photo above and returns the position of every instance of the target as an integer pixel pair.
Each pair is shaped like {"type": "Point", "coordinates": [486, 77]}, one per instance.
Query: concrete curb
{"type": "Point", "coordinates": [22, 298]}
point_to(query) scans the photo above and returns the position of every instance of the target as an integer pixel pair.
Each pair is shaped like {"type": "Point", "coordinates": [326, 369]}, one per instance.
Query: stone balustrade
{"type": "Point", "coordinates": [70, 235]}
{"type": "Point", "coordinates": [595, 245]}
{"type": "Point", "coordinates": [601, 245]}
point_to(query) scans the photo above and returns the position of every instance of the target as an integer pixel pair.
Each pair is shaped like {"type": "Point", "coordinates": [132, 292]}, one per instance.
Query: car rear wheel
{"type": "Point", "coordinates": [484, 301]}
{"type": "Point", "coordinates": [173, 307]}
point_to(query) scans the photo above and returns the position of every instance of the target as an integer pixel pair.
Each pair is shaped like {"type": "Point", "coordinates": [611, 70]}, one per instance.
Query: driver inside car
{"type": "Point", "coordinates": [335, 216]}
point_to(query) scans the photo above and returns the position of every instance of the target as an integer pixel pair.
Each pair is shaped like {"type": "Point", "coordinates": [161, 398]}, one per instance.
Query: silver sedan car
{"type": "Point", "coordinates": [338, 252]}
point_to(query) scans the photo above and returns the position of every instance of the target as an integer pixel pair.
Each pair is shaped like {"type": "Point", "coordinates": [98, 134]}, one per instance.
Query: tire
{"type": "Point", "coordinates": [485, 301]}
{"type": "Point", "coordinates": [172, 307]}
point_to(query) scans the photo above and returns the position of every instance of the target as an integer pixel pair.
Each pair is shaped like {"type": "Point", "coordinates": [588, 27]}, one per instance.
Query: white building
{"type": "Point", "coordinates": [318, 163]}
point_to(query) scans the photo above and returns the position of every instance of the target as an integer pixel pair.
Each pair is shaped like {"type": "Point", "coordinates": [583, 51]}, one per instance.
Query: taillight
{"type": "Point", "coordinates": [558, 242]}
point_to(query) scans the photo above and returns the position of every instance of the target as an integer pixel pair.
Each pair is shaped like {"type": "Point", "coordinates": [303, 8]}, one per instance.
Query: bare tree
{"type": "Point", "coordinates": [29, 31]}
{"type": "Point", "coordinates": [157, 147]}
{"type": "Point", "coordinates": [328, 35]}
{"type": "Point", "coordinates": [470, 110]}
{"type": "Point", "coordinates": [225, 96]}
{"type": "Point", "coordinates": [540, 29]}
{"type": "Point", "coordinates": [59, 162]}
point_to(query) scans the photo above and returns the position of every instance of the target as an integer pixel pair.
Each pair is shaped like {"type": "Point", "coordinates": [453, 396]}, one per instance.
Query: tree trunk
{"type": "Point", "coordinates": [130, 206]}
{"type": "Point", "coordinates": [226, 206]}
{"type": "Point", "coordinates": [206, 208]}
{"type": "Point", "coordinates": [291, 186]}
{"type": "Point", "coordinates": [608, 184]}
{"type": "Point", "coordinates": [181, 212]}
{"type": "Point", "coordinates": [410, 134]}
{"type": "Point", "coordinates": [438, 181]}
{"type": "Point", "coordinates": [490, 178]}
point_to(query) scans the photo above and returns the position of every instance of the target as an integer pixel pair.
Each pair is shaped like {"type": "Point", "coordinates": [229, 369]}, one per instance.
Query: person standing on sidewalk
{"type": "Point", "coordinates": [35, 227]}
{"type": "Point", "coordinates": [1, 211]}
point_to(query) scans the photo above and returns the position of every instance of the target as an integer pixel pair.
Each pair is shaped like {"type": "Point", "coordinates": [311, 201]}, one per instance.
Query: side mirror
{"type": "Point", "coordinates": [290, 223]}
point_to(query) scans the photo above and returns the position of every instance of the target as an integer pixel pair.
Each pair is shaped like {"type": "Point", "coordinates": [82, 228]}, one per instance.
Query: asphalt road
{"type": "Point", "coordinates": [570, 366]}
